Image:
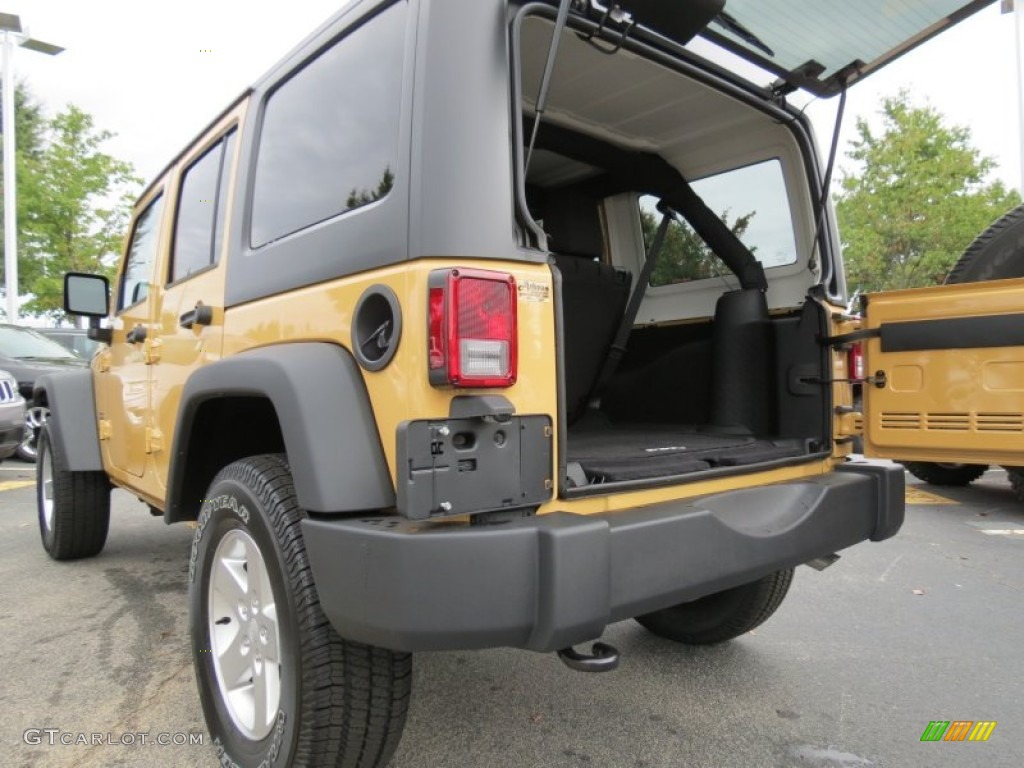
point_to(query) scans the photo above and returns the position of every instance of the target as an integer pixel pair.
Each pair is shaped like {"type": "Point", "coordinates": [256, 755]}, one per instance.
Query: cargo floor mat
{"type": "Point", "coordinates": [615, 453]}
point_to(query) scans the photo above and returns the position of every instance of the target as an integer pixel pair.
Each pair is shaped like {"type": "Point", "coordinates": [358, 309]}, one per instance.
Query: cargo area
{"type": "Point", "coordinates": [716, 365]}
{"type": "Point", "coordinates": [741, 390]}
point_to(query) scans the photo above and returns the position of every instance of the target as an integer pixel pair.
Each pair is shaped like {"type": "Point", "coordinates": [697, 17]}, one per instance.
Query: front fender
{"type": "Point", "coordinates": [72, 402]}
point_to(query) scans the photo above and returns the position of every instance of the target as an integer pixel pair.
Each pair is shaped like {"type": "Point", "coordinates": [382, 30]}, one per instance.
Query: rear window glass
{"type": "Point", "coordinates": [329, 141]}
{"type": "Point", "coordinates": [751, 200]}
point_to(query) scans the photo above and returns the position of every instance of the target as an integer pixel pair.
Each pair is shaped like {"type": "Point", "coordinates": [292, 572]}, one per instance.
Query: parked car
{"type": "Point", "coordinates": [12, 415]}
{"type": "Point", "coordinates": [397, 334]}
{"type": "Point", "coordinates": [75, 339]}
{"type": "Point", "coordinates": [26, 354]}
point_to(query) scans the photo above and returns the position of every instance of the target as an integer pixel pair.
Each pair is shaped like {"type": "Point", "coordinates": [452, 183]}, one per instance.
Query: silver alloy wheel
{"type": "Point", "coordinates": [35, 417]}
{"type": "Point", "coordinates": [244, 634]}
{"type": "Point", "coordinates": [46, 480]}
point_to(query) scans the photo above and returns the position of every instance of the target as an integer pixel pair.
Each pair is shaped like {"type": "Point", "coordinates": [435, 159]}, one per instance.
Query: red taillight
{"type": "Point", "coordinates": [855, 361]}
{"type": "Point", "coordinates": [437, 347]}
{"type": "Point", "coordinates": [472, 328]}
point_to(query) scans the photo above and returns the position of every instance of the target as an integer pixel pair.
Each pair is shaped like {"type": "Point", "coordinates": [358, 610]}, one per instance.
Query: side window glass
{"type": "Point", "coordinates": [199, 208]}
{"type": "Point", "coordinates": [138, 269]}
{"type": "Point", "coordinates": [329, 140]}
{"type": "Point", "coordinates": [751, 200]}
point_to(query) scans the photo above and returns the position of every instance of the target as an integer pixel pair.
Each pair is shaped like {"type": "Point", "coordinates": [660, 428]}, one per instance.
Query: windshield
{"type": "Point", "coordinates": [816, 39]}
{"type": "Point", "coordinates": [24, 344]}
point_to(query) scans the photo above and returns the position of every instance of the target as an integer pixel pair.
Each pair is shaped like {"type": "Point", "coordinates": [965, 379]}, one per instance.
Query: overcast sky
{"type": "Point", "coordinates": [156, 73]}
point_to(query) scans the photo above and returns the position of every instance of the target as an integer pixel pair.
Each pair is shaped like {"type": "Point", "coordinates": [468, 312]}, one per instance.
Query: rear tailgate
{"type": "Point", "coordinates": [946, 374]}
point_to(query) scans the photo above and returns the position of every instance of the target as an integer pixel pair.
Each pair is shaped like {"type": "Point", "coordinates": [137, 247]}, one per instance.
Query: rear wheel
{"type": "Point", "coordinates": [73, 507]}
{"type": "Point", "coordinates": [277, 684]}
{"type": "Point", "coordinates": [722, 615]}
{"type": "Point", "coordinates": [1016, 475]}
{"type": "Point", "coordinates": [945, 474]}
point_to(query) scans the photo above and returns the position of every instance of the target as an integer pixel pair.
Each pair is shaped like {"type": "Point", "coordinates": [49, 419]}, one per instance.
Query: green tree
{"type": "Point", "coordinates": [78, 201]}
{"type": "Point", "coordinates": [684, 255]}
{"type": "Point", "coordinates": [920, 196]}
{"type": "Point", "coordinates": [30, 126]}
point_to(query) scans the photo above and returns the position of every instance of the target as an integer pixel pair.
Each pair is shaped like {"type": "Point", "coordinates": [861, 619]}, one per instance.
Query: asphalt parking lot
{"type": "Point", "coordinates": [857, 662]}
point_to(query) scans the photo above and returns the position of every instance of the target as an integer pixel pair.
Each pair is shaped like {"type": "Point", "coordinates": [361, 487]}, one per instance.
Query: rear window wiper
{"type": "Point", "coordinates": [726, 21]}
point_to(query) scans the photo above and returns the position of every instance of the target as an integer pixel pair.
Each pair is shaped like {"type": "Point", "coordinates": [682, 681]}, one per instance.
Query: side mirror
{"type": "Point", "coordinates": [87, 295]}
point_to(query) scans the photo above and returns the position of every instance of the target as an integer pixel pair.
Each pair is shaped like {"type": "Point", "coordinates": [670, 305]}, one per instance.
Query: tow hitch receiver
{"type": "Point", "coordinates": [602, 658]}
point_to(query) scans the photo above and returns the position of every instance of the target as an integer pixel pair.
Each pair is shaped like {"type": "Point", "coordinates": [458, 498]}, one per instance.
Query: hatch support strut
{"type": "Point", "coordinates": [545, 81]}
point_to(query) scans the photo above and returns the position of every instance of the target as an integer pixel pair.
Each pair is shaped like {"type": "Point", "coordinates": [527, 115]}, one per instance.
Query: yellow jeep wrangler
{"type": "Point", "coordinates": [481, 324]}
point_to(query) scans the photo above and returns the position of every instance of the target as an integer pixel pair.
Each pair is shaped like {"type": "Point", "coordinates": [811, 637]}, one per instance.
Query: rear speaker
{"type": "Point", "coordinates": [376, 327]}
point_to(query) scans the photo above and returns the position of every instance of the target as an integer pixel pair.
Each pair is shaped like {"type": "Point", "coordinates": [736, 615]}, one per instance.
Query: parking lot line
{"type": "Point", "coordinates": [915, 495]}
{"type": "Point", "coordinates": [10, 485]}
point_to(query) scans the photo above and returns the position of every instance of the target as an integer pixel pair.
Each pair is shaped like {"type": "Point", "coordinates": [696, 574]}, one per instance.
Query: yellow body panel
{"type": "Point", "coordinates": [957, 405]}
{"type": "Point", "coordinates": [401, 391]}
{"type": "Point", "coordinates": [138, 386]}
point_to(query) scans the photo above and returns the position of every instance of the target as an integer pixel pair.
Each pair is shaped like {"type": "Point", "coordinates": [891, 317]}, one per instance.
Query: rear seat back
{"type": "Point", "coordinates": [594, 295]}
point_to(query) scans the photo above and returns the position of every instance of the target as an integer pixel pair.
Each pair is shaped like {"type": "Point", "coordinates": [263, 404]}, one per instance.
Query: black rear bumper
{"type": "Point", "coordinates": [547, 582]}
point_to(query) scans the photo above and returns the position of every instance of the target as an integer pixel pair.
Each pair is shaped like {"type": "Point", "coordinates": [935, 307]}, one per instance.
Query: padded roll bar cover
{"type": "Point", "coordinates": [743, 364]}
{"type": "Point", "coordinates": [324, 413]}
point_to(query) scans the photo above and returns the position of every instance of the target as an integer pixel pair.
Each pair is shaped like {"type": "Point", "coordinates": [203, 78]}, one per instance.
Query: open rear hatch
{"type": "Point", "coordinates": [819, 45]}
{"type": "Point", "coordinates": [728, 371]}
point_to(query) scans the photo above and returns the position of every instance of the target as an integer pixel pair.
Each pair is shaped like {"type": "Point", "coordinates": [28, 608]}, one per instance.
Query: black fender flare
{"type": "Point", "coordinates": [71, 398]}
{"type": "Point", "coordinates": [325, 417]}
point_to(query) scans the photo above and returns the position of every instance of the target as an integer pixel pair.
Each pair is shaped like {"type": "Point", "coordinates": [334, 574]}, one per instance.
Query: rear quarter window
{"type": "Point", "coordinates": [329, 138]}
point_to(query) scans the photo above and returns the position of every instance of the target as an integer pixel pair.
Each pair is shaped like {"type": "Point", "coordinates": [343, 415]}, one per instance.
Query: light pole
{"type": "Point", "coordinates": [10, 26]}
{"type": "Point", "coordinates": [1019, 18]}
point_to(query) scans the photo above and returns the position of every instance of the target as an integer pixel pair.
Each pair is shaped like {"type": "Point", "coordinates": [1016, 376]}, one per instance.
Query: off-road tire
{"type": "Point", "coordinates": [945, 474]}
{"type": "Point", "coordinates": [722, 615]}
{"type": "Point", "coordinates": [341, 703]}
{"type": "Point", "coordinates": [75, 522]}
{"type": "Point", "coordinates": [996, 254]}
{"type": "Point", "coordinates": [1016, 475]}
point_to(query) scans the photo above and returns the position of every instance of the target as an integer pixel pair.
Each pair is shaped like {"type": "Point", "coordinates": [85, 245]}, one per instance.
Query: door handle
{"type": "Point", "coordinates": [201, 315]}
{"type": "Point", "coordinates": [136, 335]}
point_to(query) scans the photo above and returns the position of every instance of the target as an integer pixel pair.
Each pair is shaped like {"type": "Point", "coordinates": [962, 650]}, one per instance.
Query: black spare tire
{"type": "Point", "coordinates": [996, 254]}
